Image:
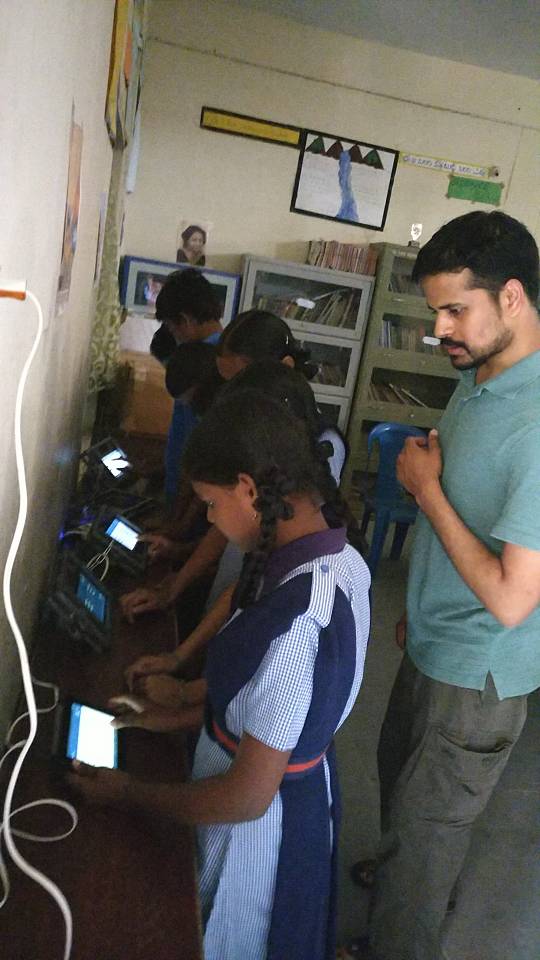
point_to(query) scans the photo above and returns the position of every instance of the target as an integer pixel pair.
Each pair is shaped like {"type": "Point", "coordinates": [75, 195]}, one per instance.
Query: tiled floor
{"type": "Point", "coordinates": [498, 912]}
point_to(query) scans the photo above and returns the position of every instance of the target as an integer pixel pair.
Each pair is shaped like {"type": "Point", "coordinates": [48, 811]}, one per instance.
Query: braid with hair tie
{"type": "Point", "coordinates": [272, 489]}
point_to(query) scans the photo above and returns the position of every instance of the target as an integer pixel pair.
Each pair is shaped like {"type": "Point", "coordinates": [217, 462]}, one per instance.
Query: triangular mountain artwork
{"type": "Point", "coordinates": [316, 146]}
{"type": "Point", "coordinates": [335, 150]}
{"type": "Point", "coordinates": [355, 155]}
{"type": "Point", "coordinates": [373, 160]}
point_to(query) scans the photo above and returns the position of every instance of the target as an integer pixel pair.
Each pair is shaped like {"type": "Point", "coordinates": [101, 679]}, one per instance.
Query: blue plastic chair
{"type": "Point", "coordinates": [388, 501]}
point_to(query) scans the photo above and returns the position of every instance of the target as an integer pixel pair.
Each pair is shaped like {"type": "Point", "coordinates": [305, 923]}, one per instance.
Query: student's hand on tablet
{"type": "Point", "coordinates": [147, 716]}
{"type": "Point", "coordinates": [98, 784]}
{"type": "Point", "coordinates": [146, 599]}
{"type": "Point", "coordinates": [163, 690]}
{"type": "Point", "coordinates": [159, 547]}
{"type": "Point", "coordinates": [161, 663]}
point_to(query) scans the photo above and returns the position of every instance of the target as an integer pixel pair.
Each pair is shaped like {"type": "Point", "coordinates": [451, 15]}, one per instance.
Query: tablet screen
{"type": "Point", "coordinates": [116, 462]}
{"type": "Point", "coordinates": [121, 531]}
{"type": "Point", "coordinates": [91, 739]}
{"type": "Point", "coordinates": [94, 600]}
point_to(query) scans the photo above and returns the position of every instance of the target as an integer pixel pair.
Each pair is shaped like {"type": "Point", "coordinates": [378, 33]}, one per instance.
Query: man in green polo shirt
{"type": "Point", "coordinates": [473, 614]}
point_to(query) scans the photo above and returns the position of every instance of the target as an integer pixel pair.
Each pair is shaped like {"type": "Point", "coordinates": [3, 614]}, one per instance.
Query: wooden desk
{"type": "Point", "coordinates": [130, 882]}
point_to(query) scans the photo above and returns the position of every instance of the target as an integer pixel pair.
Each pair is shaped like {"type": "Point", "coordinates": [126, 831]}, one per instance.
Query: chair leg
{"type": "Point", "coordinates": [365, 520]}
{"type": "Point", "coordinates": [400, 533]}
{"type": "Point", "coordinates": [382, 520]}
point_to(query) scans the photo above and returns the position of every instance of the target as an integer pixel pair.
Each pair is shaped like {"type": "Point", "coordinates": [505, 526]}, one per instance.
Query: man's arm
{"type": "Point", "coordinates": [508, 585]}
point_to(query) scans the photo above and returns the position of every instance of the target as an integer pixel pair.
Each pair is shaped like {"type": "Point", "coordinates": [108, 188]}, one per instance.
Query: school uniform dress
{"type": "Point", "coordinates": [287, 671]}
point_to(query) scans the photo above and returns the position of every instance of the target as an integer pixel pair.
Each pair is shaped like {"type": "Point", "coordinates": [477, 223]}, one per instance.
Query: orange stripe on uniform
{"type": "Point", "coordinates": [232, 746]}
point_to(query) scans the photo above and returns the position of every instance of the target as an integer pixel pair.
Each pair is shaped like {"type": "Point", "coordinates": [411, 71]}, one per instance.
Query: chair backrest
{"type": "Point", "coordinates": [390, 437]}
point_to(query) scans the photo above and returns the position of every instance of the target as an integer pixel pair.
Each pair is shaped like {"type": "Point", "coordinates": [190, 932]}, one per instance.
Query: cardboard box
{"type": "Point", "coordinates": [149, 406]}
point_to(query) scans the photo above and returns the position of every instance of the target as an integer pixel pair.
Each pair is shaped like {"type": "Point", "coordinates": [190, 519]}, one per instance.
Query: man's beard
{"type": "Point", "coordinates": [478, 358]}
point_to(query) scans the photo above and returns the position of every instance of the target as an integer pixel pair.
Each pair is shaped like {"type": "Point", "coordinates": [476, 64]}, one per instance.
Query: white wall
{"type": "Point", "coordinates": [218, 54]}
{"type": "Point", "coordinates": [52, 54]}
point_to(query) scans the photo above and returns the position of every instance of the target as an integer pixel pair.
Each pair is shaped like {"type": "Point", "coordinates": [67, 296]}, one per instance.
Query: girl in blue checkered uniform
{"type": "Point", "coordinates": [283, 674]}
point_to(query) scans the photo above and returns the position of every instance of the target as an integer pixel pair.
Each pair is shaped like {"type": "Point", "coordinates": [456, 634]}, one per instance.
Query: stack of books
{"type": "Point", "coordinates": [350, 257]}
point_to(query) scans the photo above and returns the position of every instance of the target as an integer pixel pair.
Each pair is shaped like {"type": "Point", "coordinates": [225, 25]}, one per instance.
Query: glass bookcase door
{"type": "Point", "coordinates": [410, 389]}
{"type": "Point", "coordinates": [335, 410]}
{"type": "Point", "coordinates": [309, 302]}
{"type": "Point", "coordinates": [400, 281]}
{"type": "Point", "coordinates": [336, 360]}
{"type": "Point", "coordinates": [404, 332]}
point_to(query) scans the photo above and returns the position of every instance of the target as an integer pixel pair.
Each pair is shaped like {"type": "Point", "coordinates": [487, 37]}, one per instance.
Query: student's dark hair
{"type": "Point", "coordinates": [283, 383]}
{"type": "Point", "coordinates": [188, 366]}
{"type": "Point", "coordinates": [493, 246]}
{"type": "Point", "coordinates": [260, 335]}
{"type": "Point", "coordinates": [193, 365]}
{"type": "Point", "coordinates": [246, 432]}
{"type": "Point", "coordinates": [289, 387]}
{"type": "Point", "coordinates": [189, 231]}
{"type": "Point", "coordinates": [187, 293]}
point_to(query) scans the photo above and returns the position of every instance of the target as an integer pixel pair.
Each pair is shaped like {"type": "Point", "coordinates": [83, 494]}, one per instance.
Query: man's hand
{"type": "Point", "coordinates": [98, 784]}
{"type": "Point", "coordinates": [419, 465]}
{"type": "Point", "coordinates": [401, 632]}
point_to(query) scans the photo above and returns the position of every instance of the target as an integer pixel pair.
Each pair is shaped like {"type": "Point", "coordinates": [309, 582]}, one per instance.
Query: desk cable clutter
{"type": "Point", "coordinates": [17, 290]}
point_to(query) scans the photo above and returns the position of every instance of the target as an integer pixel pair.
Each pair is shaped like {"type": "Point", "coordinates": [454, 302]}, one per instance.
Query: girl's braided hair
{"type": "Point", "coordinates": [290, 387]}
{"type": "Point", "coordinates": [247, 432]}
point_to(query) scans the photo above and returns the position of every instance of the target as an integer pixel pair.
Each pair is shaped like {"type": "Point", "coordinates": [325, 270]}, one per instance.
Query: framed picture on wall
{"type": "Point", "coordinates": [345, 180]}
{"type": "Point", "coordinates": [142, 279]}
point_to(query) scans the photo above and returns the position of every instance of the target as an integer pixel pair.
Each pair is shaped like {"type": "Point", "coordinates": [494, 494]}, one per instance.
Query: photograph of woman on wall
{"type": "Point", "coordinates": [191, 244]}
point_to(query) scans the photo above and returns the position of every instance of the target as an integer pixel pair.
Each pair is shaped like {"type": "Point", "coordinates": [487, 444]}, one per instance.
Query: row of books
{"type": "Point", "coordinates": [405, 337]}
{"type": "Point", "coordinates": [350, 257]}
{"type": "Point", "coordinates": [336, 308]}
{"type": "Point", "coordinates": [391, 393]}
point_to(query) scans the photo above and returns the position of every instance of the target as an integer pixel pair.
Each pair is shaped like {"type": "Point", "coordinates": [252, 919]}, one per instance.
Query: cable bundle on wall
{"type": "Point", "coordinates": [17, 290]}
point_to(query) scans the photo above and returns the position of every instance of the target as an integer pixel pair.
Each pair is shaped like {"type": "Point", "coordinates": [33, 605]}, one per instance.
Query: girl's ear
{"type": "Point", "coordinates": [288, 361]}
{"type": "Point", "coordinates": [247, 487]}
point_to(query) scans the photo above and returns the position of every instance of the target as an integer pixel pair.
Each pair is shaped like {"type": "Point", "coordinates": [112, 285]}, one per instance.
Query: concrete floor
{"type": "Point", "coordinates": [498, 911]}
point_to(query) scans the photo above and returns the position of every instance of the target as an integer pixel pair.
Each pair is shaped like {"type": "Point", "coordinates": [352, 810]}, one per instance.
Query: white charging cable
{"type": "Point", "coordinates": [99, 559]}
{"type": "Point", "coordinates": [18, 292]}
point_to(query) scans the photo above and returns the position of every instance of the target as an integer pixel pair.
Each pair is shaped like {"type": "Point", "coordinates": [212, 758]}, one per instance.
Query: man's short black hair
{"type": "Point", "coordinates": [187, 293]}
{"type": "Point", "coordinates": [493, 246]}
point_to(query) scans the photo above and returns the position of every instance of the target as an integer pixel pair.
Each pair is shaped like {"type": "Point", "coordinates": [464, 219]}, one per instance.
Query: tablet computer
{"type": "Point", "coordinates": [84, 733]}
{"type": "Point", "coordinates": [82, 605]}
{"type": "Point", "coordinates": [114, 531]}
{"type": "Point", "coordinates": [107, 455]}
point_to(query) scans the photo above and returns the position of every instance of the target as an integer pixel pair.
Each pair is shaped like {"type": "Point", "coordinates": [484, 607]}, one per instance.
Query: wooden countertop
{"type": "Point", "coordinates": [130, 881]}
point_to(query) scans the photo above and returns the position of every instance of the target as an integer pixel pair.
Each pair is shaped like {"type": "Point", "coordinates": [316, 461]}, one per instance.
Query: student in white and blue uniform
{"type": "Point", "coordinates": [285, 670]}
